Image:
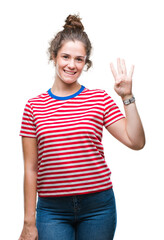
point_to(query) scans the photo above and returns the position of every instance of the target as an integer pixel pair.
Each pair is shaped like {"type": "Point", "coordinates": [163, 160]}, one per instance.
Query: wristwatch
{"type": "Point", "coordinates": [129, 101]}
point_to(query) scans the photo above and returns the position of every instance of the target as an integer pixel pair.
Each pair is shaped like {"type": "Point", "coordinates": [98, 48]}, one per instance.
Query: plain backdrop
{"type": "Point", "coordinates": [128, 29]}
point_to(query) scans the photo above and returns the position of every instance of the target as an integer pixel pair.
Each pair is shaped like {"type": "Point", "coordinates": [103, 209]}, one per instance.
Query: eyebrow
{"type": "Point", "coordinates": [76, 56]}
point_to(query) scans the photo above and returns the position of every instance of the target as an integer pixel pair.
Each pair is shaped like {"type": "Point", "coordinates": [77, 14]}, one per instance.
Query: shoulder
{"type": "Point", "coordinates": [41, 98]}
{"type": "Point", "coordinates": [97, 91]}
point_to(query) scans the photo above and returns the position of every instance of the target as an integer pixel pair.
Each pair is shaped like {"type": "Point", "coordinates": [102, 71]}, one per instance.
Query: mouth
{"type": "Point", "coordinates": [71, 73]}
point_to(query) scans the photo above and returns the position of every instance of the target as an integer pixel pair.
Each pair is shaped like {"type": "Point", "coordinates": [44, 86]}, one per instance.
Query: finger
{"type": "Point", "coordinates": [131, 72]}
{"type": "Point", "coordinates": [119, 66]}
{"type": "Point", "coordinates": [124, 67]}
{"type": "Point", "coordinates": [113, 71]}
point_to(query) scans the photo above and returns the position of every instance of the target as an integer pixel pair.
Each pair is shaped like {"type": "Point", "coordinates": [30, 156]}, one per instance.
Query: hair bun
{"type": "Point", "coordinates": [73, 22]}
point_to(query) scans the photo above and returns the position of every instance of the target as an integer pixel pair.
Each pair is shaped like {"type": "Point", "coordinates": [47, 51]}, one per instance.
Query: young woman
{"type": "Point", "coordinates": [64, 158]}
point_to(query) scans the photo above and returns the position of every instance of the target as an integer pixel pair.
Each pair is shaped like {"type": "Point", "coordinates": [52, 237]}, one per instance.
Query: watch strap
{"type": "Point", "coordinates": [129, 101]}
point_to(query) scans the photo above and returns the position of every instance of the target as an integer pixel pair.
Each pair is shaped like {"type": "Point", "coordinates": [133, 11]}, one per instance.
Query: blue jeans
{"type": "Point", "coordinates": [79, 217]}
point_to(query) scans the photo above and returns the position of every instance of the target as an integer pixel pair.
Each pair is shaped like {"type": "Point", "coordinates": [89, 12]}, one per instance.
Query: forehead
{"type": "Point", "coordinates": [75, 48]}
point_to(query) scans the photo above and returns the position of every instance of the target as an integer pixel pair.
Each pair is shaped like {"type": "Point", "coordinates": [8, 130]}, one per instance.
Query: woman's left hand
{"type": "Point", "coordinates": [123, 82]}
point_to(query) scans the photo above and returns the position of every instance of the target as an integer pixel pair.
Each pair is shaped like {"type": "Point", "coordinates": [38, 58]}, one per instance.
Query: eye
{"type": "Point", "coordinates": [79, 59]}
{"type": "Point", "coordinates": [65, 56]}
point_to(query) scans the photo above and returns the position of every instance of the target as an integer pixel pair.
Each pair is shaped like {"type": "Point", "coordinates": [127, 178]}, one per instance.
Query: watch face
{"type": "Point", "coordinates": [128, 101]}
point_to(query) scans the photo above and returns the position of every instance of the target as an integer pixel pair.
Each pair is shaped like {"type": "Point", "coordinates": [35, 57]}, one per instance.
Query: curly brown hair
{"type": "Point", "coordinates": [73, 30]}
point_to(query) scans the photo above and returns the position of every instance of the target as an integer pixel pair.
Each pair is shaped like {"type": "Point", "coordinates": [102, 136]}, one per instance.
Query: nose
{"type": "Point", "coordinates": [71, 64]}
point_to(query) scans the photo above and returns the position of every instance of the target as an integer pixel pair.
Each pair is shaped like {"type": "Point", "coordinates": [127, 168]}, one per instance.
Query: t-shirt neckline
{"type": "Point", "coordinates": [67, 97]}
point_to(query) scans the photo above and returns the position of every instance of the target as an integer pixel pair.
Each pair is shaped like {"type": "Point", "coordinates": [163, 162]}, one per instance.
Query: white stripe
{"type": "Point", "coordinates": [70, 109]}
{"type": "Point", "coordinates": [67, 118]}
{"type": "Point", "coordinates": [28, 126]}
{"type": "Point", "coordinates": [57, 129]}
{"type": "Point", "coordinates": [70, 155]}
{"type": "Point", "coordinates": [72, 187]}
{"type": "Point", "coordinates": [27, 135]}
{"type": "Point", "coordinates": [95, 140]}
{"type": "Point", "coordinates": [28, 130]}
{"type": "Point", "coordinates": [72, 160]}
{"type": "Point", "coordinates": [75, 142]}
{"type": "Point", "coordinates": [74, 178]}
{"type": "Point", "coordinates": [74, 173]}
{"type": "Point", "coordinates": [54, 124]}
{"type": "Point", "coordinates": [88, 132]}
{"type": "Point", "coordinates": [71, 169]}
{"type": "Point", "coordinates": [75, 182]}
{"type": "Point", "coordinates": [72, 164]}
{"type": "Point", "coordinates": [55, 150]}
{"type": "Point", "coordinates": [114, 120]}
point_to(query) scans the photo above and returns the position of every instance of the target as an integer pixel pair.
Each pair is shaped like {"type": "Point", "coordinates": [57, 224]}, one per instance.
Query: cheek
{"type": "Point", "coordinates": [58, 70]}
{"type": "Point", "coordinates": [81, 68]}
{"type": "Point", "coordinates": [59, 67]}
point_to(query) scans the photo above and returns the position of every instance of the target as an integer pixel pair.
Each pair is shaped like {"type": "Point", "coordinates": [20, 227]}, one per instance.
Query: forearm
{"type": "Point", "coordinates": [134, 126]}
{"type": "Point", "coordinates": [30, 193]}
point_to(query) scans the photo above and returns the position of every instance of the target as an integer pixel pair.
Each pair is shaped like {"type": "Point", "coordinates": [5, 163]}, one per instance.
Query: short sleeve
{"type": "Point", "coordinates": [112, 112]}
{"type": "Point", "coordinates": [28, 128]}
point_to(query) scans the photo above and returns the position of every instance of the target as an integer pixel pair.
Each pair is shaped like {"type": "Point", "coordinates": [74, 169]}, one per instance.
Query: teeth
{"type": "Point", "coordinates": [72, 73]}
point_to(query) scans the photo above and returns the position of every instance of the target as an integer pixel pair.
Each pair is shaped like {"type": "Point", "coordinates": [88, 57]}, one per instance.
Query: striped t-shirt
{"type": "Point", "coordinates": [69, 134]}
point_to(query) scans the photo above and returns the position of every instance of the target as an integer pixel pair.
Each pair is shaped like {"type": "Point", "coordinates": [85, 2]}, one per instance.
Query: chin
{"type": "Point", "coordinates": [69, 81]}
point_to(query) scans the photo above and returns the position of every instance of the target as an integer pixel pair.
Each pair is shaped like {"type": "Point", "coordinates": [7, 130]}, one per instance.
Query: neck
{"type": "Point", "coordinates": [62, 89]}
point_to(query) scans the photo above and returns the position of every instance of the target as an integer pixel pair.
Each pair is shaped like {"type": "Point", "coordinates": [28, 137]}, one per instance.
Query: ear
{"type": "Point", "coordinates": [54, 59]}
{"type": "Point", "coordinates": [85, 68]}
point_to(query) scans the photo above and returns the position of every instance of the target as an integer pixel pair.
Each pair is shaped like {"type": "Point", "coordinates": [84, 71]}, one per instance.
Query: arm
{"type": "Point", "coordinates": [129, 130]}
{"type": "Point", "coordinates": [30, 184]}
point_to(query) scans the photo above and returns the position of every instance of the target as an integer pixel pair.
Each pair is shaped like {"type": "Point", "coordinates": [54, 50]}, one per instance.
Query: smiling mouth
{"type": "Point", "coordinates": [69, 72]}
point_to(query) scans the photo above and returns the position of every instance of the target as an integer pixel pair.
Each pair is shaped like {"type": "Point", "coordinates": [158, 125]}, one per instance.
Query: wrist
{"type": "Point", "coordinates": [30, 220]}
{"type": "Point", "coordinates": [129, 100]}
{"type": "Point", "coordinates": [126, 97]}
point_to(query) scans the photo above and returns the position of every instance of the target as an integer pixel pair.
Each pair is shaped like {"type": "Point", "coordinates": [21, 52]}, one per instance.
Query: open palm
{"type": "Point", "coordinates": [123, 81]}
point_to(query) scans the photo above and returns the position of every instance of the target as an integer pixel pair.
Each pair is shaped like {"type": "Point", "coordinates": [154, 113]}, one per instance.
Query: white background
{"type": "Point", "coordinates": [128, 29]}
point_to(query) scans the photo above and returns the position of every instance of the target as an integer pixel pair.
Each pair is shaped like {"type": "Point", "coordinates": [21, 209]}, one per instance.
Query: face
{"type": "Point", "coordinates": [70, 61]}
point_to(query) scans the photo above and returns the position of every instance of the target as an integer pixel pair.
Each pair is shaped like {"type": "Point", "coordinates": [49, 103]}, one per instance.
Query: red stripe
{"type": "Point", "coordinates": [79, 193]}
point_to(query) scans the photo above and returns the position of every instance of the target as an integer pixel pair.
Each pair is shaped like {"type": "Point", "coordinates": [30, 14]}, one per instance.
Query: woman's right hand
{"type": "Point", "coordinates": [29, 233]}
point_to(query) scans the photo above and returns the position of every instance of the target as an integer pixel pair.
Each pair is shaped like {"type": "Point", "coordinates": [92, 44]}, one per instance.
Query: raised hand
{"type": "Point", "coordinates": [123, 81]}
